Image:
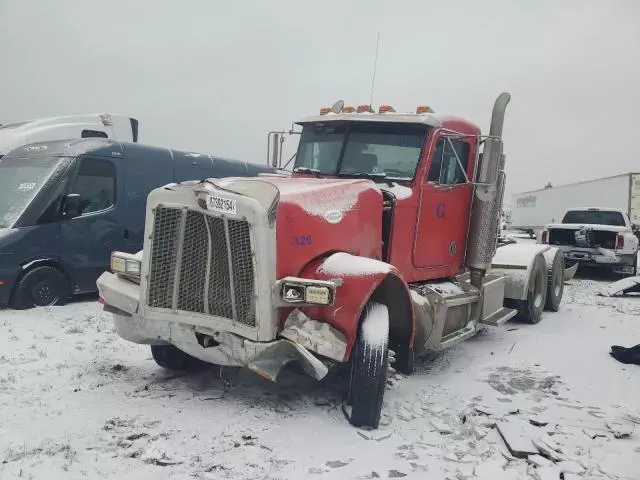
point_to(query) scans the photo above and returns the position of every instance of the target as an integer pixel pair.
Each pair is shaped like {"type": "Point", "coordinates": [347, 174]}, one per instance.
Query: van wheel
{"type": "Point", "coordinates": [531, 309]}
{"type": "Point", "coordinates": [172, 358]}
{"type": "Point", "coordinates": [41, 287]}
{"type": "Point", "coordinates": [368, 368]}
{"type": "Point", "coordinates": [555, 285]}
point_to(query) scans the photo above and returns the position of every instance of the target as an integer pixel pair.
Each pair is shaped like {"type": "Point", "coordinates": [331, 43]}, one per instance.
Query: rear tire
{"type": "Point", "coordinates": [532, 307]}
{"type": "Point", "coordinates": [41, 287]}
{"type": "Point", "coordinates": [369, 365]}
{"type": "Point", "coordinates": [172, 358]}
{"type": "Point", "coordinates": [555, 285]}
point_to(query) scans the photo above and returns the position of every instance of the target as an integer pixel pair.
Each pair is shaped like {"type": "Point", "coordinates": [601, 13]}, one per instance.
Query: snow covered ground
{"type": "Point", "coordinates": [77, 402]}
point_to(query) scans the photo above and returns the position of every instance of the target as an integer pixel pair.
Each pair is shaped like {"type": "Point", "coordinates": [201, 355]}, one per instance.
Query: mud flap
{"type": "Point", "coordinates": [269, 362]}
{"type": "Point", "coordinates": [569, 272]}
{"type": "Point", "coordinates": [621, 287]}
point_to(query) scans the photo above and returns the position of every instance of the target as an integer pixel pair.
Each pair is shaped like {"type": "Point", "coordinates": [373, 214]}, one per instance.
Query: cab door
{"type": "Point", "coordinates": [445, 202]}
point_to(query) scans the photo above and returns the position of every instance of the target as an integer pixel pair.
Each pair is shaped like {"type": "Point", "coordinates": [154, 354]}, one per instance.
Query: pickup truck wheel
{"type": "Point", "coordinates": [369, 364]}
{"type": "Point", "coordinates": [555, 285]}
{"type": "Point", "coordinates": [41, 287]}
{"type": "Point", "coordinates": [532, 307]}
{"type": "Point", "coordinates": [172, 358]}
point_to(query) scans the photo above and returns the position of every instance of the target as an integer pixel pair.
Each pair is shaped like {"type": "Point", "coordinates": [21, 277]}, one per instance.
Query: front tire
{"type": "Point", "coordinates": [532, 307]}
{"type": "Point", "coordinates": [369, 365]}
{"type": "Point", "coordinates": [41, 287]}
{"type": "Point", "coordinates": [172, 358]}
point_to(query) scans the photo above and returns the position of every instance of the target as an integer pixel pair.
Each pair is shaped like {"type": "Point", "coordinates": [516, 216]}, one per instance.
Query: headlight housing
{"type": "Point", "coordinates": [126, 265]}
{"type": "Point", "coordinates": [291, 290]}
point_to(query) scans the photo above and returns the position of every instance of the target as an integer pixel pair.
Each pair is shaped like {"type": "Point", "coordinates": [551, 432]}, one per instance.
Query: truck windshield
{"type": "Point", "coordinates": [20, 181]}
{"type": "Point", "coordinates": [375, 150]}
{"type": "Point", "coordinates": [594, 217]}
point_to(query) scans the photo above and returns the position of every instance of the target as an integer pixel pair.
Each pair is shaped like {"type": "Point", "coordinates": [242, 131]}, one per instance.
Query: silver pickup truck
{"type": "Point", "coordinates": [597, 237]}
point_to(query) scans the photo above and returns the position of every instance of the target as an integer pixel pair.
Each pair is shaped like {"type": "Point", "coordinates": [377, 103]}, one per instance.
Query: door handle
{"type": "Point", "coordinates": [125, 233]}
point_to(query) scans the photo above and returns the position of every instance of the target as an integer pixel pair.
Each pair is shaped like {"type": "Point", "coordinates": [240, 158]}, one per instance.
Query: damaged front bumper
{"type": "Point", "coordinates": [300, 337]}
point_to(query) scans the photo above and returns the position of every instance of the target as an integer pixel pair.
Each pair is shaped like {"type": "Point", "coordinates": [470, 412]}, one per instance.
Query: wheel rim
{"type": "Point", "coordinates": [44, 294]}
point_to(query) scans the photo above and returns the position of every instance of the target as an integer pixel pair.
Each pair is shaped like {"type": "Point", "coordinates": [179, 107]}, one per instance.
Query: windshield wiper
{"type": "Point", "coordinates": [307, 170]}
{"type": "Point", "coordinates": [372, 176]}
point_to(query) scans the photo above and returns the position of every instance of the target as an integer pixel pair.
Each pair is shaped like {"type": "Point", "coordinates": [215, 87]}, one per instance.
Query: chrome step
{"type": "Point", "coordinates": [501, 316]}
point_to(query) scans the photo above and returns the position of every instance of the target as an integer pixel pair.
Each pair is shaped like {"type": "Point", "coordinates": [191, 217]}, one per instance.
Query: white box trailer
{"type": "Point", "coordinates": [530, 211]}
{"type": "Point", "coordinates": [100, 125]}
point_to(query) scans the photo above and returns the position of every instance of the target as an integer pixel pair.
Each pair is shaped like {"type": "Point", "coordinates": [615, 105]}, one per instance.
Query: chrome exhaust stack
{"type": "Point", "coordinates": [487, 199]}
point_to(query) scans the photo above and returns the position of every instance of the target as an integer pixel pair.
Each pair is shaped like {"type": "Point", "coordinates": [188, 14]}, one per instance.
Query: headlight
{"type": "Point", "coordinates": [305, 291]}
{"type": "Point", "coordinates": [125, 264]}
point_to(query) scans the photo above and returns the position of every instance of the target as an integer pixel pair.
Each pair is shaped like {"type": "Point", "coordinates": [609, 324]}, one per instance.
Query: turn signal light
{"type": "Point", "coordinates": [365, 108]}
{"type": "Point", "coordinates": [620, 241]}
{"type": "Point", "coordinates": [385, 109]}
{"type": "Point", "coordinates": [544, 236]}
{"type": "Point", "coordinates": [424, 109]}
{"type": "Point", "coordinates": [348, 109]}
{"type": "Point", "coordinates": [325, 110]}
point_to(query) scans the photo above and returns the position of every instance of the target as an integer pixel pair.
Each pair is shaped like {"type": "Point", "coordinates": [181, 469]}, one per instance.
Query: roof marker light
{"type": "Point", "coordinates": [364, 108]}
{"type": "Point", "coordinates": [348, 109]}
{"type": "Point", "coordinates": [325, 110]}
{"type": "Point", "coordinates": [386, 108]}
{"type": "Point", "coordinates": [424, 109]}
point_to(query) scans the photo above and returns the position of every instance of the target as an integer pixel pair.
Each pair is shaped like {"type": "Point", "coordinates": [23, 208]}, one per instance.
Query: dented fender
{"type": "Point", "coordinates": [358, 278]}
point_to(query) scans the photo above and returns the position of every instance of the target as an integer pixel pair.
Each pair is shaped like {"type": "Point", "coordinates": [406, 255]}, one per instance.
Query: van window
{"type": "Point", "coordinates": [445, 169]}
{"type": "Point", "coordinates": [96, 185]}
{"type": "Point", "coordinates": [93, 134]}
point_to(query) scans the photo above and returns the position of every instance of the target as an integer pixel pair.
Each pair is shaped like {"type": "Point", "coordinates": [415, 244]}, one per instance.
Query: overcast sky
{"type": "Point", "coordinates": [215, 76]}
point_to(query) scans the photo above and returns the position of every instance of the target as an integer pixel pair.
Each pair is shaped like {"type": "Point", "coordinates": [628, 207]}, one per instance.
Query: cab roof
{"type": "Point", "coordinates": [437, 120]}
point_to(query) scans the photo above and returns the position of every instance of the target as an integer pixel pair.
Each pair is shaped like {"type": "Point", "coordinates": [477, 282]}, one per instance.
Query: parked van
{"type": "Point", "coordinates": [65, 205]}
{"type": "Point", "coordinates": [100, 125]}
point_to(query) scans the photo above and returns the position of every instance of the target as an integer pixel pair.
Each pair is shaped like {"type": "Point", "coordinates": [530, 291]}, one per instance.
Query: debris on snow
{"type": "Point", "coordinates": [517, 439]}
{"type": "Point", "coordinates": [339, 463]}
{"type": "Point", "coordinates": [620, 429]}
{"type": "Point", "coordinates": [376, 435]}
{"type": "Point", "coordinates": [547, 473]}
{"type": "Point", "coordinates": [539, 461]}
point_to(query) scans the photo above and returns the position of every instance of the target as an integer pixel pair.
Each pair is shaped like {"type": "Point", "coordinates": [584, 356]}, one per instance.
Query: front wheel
{"type": "Point", "coordinates": [41, 287]}
{"type": "Point", "coordinates": [172, 358]}
{"type": "Point", "coordinates": [368, 369]}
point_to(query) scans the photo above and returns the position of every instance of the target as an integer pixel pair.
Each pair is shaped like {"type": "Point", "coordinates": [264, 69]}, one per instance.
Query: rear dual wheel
{"type": "Point", "coordinates": [531, 308]}
{"type": "Point", "coordinates": [555, 282]}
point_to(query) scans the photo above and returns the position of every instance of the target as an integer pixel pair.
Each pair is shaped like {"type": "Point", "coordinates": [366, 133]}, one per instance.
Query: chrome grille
{"type": "Point", "coordinates": [164, 248]}
{"type": "Point", "coordinates": [193, 268]}
{"type": "Point", "coordinates": [202, 264]}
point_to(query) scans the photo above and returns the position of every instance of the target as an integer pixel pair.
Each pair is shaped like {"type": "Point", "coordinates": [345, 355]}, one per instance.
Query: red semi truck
{"type": "Point", "coordinates": [380, 246]}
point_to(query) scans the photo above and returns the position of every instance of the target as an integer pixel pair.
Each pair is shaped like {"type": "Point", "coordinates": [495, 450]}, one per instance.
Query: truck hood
{"type": "Point", "coordinates": [316, 216]}
{"type": "Point", "coordinates": [581, 226]}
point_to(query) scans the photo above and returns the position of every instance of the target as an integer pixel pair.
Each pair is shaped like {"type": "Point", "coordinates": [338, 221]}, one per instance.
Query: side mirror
{"type": "Point", "coordinates": [71, 207]}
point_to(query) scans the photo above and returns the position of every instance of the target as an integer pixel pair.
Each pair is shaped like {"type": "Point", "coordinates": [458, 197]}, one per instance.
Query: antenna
{"type": "Point", "coordinates": [375, 67]}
